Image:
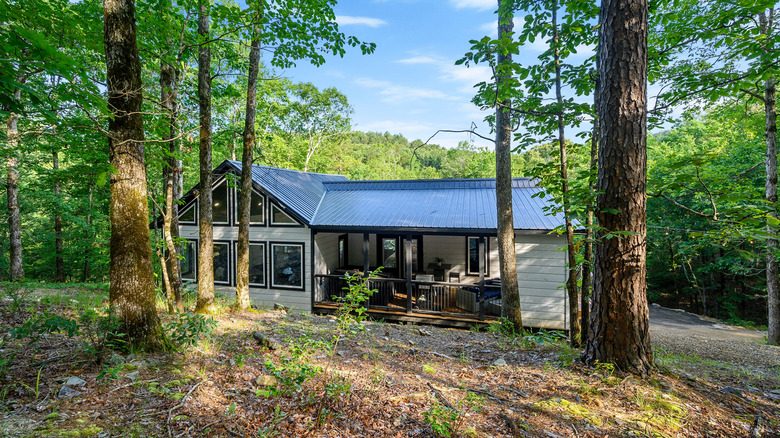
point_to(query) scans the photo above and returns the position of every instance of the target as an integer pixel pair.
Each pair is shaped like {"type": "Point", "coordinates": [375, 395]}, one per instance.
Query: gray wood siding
{"type": "Point", "coordinates": [541, 274]}
{"type": "Point", "coordinates": [267, 297]}
{"type": "Point", "coordinates": [326, 252]}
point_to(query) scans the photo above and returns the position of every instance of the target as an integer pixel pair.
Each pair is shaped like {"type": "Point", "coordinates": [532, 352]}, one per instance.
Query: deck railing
{"type": "Point", "coordinates": [455, 299]}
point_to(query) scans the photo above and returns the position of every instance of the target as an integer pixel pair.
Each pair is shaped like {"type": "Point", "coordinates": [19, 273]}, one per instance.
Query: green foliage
{"type": "Point", "coordinates": [294, 368]}
{"type": "Point", "coordinates": [352, 311]}
{"type": "Point", "coordinates": [443, 420]}
{"type": "Point", "coordinates": [187, 329]}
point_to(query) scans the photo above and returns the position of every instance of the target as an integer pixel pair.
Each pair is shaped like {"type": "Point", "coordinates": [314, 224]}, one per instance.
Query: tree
{"type": "Point", "coordinates": [12, 192]}
{"type": "Point", "coordinates": [510, 308]}
{"type": "Point", "coordinates": [619, 329]}
{"type": "Point", "coordinates": [132, 286]}
{"type": "Point", "coordinates": [720, 51]}
{"type": "Point", "coordinates": [205, 303]}
{"type": "Point", "coordinates": [317, 116]}
{"type": "Point", "coordinates": [242, 271]}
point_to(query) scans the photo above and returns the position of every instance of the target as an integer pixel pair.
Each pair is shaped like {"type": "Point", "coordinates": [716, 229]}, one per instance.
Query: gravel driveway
{"type": "Point", "coordinates": [686, 334]}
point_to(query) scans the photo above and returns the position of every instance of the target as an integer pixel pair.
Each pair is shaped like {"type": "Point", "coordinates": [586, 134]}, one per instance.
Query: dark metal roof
{"type": "Point", "coordinates": [300, 191]}
{"type": "Point", "coordinates": [332, 202]}
{"type": "Point", "coordinates": [441, 204]}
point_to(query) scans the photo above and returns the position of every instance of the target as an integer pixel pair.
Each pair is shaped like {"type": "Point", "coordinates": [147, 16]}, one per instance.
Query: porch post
{"type": "Point", "coordinates": [482, 277]}
{"type": "Point", "coordinates": [366, 264]}
{"type": "Point", "coordinates": [314, 286]}
{"type": "Point", "coordinates": [365, 254]}
{"type": "Point", "coordinates": [408, 268]}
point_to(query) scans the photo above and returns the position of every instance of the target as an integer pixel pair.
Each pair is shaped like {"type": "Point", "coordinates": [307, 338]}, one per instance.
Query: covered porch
{"type": "Point", "coordinates": [442, 279]}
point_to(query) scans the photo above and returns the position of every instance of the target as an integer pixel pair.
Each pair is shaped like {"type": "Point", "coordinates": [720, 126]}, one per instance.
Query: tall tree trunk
{"type": "Point", "coordinates": [510, 308]}
{"type": "Point", "coordinates": [772, 266]}
{"type": "Point", "coordinates": [571, 280]}
{"type": "Point", "coordinates": [132, 284]}
{"type": "Point", "coordinates": [205, 302]}
{"type": "Point", "coordinates": [772, 244]}
{"type": "Point", "coordinates": [12, 192]}
{"type": "Point", "coordinates": [619, 329]}
{"type": "Point", "coordinates": [59, 264]}
{"type": "Point", "coordinates": [89, 239]}
{"type": "Point", "coordinates": [170, 229]}
{"type": "Point", "coordinates": [242, 268]}
{"type": "Point", "coordinates": [587, 266]}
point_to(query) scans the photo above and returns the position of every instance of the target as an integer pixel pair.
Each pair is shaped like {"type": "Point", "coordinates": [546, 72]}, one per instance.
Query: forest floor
{"type": "Point", "coordinates": [389, 380]}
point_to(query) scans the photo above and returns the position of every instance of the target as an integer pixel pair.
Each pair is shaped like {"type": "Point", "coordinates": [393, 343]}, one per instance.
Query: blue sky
{"type": "Point", "coordinates": [410, 85]}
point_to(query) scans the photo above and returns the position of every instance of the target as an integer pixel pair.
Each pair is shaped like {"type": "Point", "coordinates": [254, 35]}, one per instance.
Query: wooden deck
{"type": "Point", "coordinates": [390, 314]}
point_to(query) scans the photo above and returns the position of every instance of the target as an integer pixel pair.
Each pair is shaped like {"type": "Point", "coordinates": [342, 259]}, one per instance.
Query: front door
{"type": "Point", "coordinates": [391, 255]}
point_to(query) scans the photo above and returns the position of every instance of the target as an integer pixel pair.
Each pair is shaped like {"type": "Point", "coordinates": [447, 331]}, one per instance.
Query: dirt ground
{"type": "Point", "coordinates": [390, 380]}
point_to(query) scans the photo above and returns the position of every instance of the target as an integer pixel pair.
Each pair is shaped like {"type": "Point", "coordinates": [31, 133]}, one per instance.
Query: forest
{"type": "Point", "coordinates": [114, 109]}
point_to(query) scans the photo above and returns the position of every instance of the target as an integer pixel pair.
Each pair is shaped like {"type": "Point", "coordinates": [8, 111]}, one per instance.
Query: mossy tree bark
{"type": "Point", "coordinates": [244, 207]}
{"type": "Point", "coordinates": [132, 286]}
{"type": "Point", "coordinates": [205, 303]}
{"type": "Point", "coordinates": [619, 329]}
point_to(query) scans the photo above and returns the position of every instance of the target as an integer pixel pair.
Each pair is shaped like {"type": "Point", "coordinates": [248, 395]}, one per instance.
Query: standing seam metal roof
{"type": "Point", "coordinates": [324, 200]}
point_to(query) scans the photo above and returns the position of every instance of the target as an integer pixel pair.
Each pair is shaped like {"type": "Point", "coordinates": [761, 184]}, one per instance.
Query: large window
{"type": "Point", "coordinates": [256, 208]}
{"type": "Point", "coordinates": [287, 265]}
{"type": "Point", "coordinates": [278, 217]}
{"type": "Point", "coordinates": [220, 204]}
{"type": "Point", "coordinates": [256, 263]}
{"type": "Point", "coordinates": [472, 256]}
{"type": "Point", "coordinates": [221, 263]}
{"type": "Point", "coordinates": [189, 262]}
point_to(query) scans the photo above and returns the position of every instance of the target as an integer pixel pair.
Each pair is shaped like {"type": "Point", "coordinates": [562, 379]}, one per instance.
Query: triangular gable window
{"type": "Point", "coordinates": [188, 216]}
{"type": "Point", "coordinates": [280, 218]}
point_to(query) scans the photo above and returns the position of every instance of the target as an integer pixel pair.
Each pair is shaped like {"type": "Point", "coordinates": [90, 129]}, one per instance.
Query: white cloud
{"type": "Point", "coordinates": [346, 20]}
{"type": "Point", "coordinates": [482, 5]}
{"type": "Point", "coordinates": [417, 60]}
{"type": "Point", "coordinates": [392, 93]}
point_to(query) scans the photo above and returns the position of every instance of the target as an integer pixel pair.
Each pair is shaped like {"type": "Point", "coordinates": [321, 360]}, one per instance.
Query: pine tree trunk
{"type": "Point", "coordinates": [571, 279]}
{"type": "Point", "coordinates": [12, 192]}
{"type": "Point", "coordinates": [244, 207]}
{"type": "Point", "coordinates": [772, 267]}
{"type": "Point", "coordinates": [132, 285]}
{"type": "Point", "coordinates": [59, 264]}
{"type": "Point", "coordinates": [170, 218]}
{"type": "Point", "coordinates": [510, 308]}
{"type": "Point", "coordinates": [619, 329]}
{"type": "Point", "coordinates": [205, 302]}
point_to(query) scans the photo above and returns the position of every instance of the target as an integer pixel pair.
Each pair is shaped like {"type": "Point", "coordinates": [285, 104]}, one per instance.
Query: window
{"type": "Point", "coordinates": [188, 217]}
{"type": "Point", "coordinates": [287, 265]}
{"type": "Point", "coordinates": [189, 262]}
{"type": "Point", "coordinates": [256, 208]}
{"type": "Point", "coordinates": [343, 250]}
{"type": "Point", "coordinates": [278, 217]}
{"type": "Point", "coordinates": [222, 262]}
{"type": "Point", "coordinates": [389, 252]}
{"type": "Point", "coordinates": [256, 263]}
{"type": "Point", "coordinates": [220, 204]}
{"type": "Point", "coordinates": [472, 256]}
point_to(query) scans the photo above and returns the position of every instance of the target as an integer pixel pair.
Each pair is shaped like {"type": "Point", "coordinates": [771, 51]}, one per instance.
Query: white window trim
{"type": "Point", "coordinates": [271, 246]}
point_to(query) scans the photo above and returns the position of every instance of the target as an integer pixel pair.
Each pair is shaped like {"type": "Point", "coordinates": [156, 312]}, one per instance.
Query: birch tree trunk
{"type": "Point", "coordinates": [244, 207]}
{"type": "Point", "coordinates": [205, 303]}
{"type": "Point", "coordinates": [132, 285]}
{"type": "Point", "coordinates": [12, 195]}
{"type": "Point", "coordinates": [170, 170]}
{"type": "Point", "coordinates": [89, 239]}
{"type": "Point", "coordinates": [619, 329]}
{"type": "Point", "coordinates": [510, 308]}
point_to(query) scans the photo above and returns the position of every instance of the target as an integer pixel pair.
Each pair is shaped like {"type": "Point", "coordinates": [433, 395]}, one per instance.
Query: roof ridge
{"type": "Point", "coordinates": [438, 180]}
{"type": "Point", "coordinates": [262, 166]}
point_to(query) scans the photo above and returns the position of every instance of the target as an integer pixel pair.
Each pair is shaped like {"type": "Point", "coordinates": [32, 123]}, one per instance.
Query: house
{"type": "Point", "coordinates": [435, 239]}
